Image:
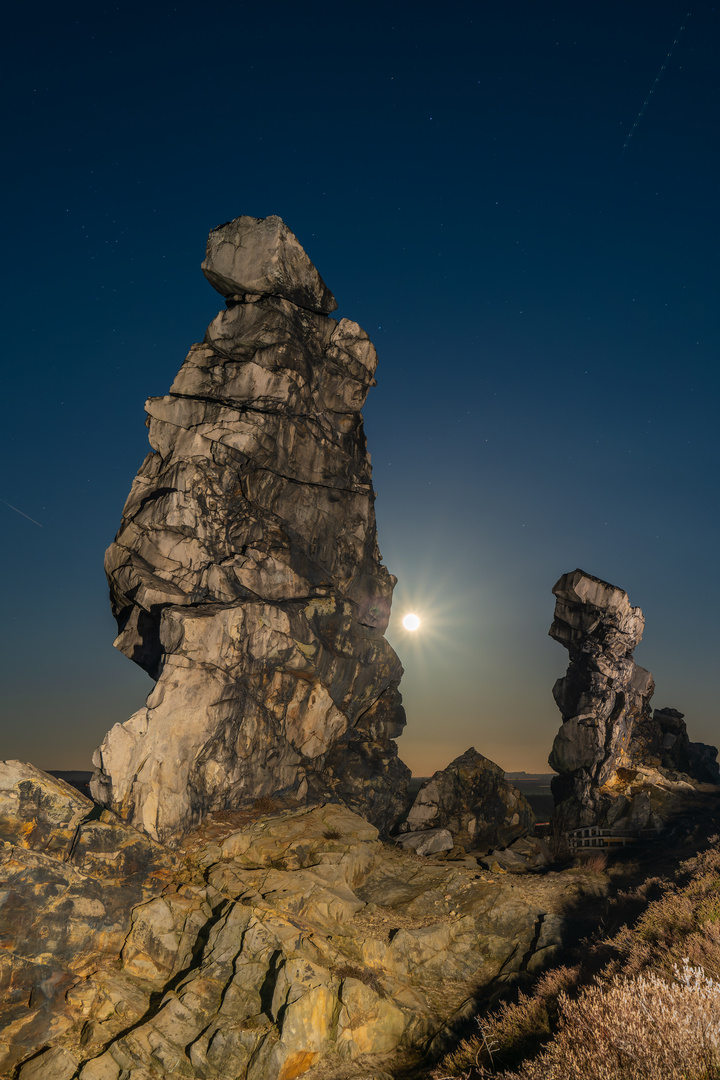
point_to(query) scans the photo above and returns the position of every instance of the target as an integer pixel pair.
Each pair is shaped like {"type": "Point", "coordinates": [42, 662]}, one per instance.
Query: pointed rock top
{"type": "Point", "coordinates": [261, 255]}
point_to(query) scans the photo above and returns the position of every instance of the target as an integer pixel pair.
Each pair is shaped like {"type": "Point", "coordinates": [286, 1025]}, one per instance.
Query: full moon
{"type": "Point", "coordinates": [411, 622]}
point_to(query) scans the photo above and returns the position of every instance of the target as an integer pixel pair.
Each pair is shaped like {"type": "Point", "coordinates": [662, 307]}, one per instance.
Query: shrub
{"type": "Point", "coordinates": [515, 1030]}
{"type": "Point", "coordinates": [369, 976]}
{"type": "Point", "coordinates": [645, 1028]}
{"type": "Point", "coordinates": [653, 1012]}
{"type": "Point", "coordinates": [595, 863]}
{"type": "Point", "coordinates": [683, 922]}
{"type": "Point", "coordinates": [264, 804]}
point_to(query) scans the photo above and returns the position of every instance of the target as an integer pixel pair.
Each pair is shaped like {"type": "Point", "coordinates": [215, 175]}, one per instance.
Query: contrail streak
{"type": "Point", "coordinates": [639, 116]}
{"type": "Point", "coordinates": [22, 514]}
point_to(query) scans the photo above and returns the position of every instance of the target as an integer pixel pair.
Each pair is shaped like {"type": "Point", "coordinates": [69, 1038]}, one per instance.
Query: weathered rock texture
{"type": "Point", "coordinates": [664, 743]}
{"type": "Point", "coordinates": [619, 766]}
{"type": "Point", "coordinates": [472, 799]}
{"type": "Point", "coordinates": [246, 576]}
{"type": "Point", "coordinates": [264, 945]}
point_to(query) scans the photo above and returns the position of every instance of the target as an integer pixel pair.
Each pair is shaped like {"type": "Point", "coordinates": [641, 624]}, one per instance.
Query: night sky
{"type": "Point", "coordinates": [542, 293]}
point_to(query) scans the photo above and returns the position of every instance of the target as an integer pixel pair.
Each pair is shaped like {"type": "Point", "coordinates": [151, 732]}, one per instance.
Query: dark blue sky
{"type": "Point", "coordinates": [544, 304]}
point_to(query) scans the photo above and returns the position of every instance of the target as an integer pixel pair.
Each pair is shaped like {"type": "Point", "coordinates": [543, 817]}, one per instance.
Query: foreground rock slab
{"type": "Point", "coordinates": [265, 946]}
{"type": "Point", "coordinates": [245, 576]}
{"type": "Point", "coordinates": [619, 766]}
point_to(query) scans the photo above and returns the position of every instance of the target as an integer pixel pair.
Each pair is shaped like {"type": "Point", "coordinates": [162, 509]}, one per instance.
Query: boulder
{"type": "Point", "coordinates": [619, 765]}
{"type": "Point", "coordinates": [427, 842]}
{"type": "Point", "coordinates": [261, 256]}
{"type": "Point", "coordinates": [472, 799]}
{"type": "Point", "coordinates": [527, 853]}
{"type": "Point", "coordinates": [245, 577]}
{"type": "Point", "coordinates": [663, 742]}
{"type": "Point", "coordinates": [38, 811]}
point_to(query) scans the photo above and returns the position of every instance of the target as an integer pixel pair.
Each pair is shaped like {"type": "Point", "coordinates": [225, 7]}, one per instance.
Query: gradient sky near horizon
{"type": "Point", "coordinates": [542, 293]}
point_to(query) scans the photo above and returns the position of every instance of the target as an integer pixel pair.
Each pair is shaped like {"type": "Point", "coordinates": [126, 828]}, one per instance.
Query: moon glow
{"type": "Point", "coordinates": [411, 622]}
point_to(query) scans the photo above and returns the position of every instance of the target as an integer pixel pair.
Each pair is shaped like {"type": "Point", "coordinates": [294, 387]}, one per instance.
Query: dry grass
{"type": "Point", "coordinates": [514, 1031]}
{"type": "Point", "coordinates": [646, 1028]}
{"type": "Point", "coordinates": [369, 976]}
{"type": "Point", "coordinates": [595, 863]}
{"type": "Point", "coordinates": [653, 1013]}
{"type": "Point", "coordinates": [265, 804]}
{"type": "Point", "coordinates": [683, 922]}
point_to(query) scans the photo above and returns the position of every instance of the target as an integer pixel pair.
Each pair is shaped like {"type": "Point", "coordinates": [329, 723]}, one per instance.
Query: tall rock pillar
{"type": "Point", "coordinates": [601, 697]}
{"type": "Point", "coordinates": [620, 766]}
{"type": "Point", "coordinates": [245, 576]}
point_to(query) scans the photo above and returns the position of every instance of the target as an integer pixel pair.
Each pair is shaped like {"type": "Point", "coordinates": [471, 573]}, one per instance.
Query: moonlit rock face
{"type": "Point", "coordinates": [246, 576]}
{"type": "Point", "coordinates": [261, 255]}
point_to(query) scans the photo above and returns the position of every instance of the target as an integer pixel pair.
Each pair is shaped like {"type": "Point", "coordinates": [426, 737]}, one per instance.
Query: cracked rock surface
{"type": "Point", "coordinates": [620, 766]}
{"type": "Point", "coordinates": [264, 947]}
{"type": "Point", "coordinates": [245, 576]}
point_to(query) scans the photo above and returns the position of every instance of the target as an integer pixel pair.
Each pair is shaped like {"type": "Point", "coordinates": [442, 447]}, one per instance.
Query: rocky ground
{"type": "Point", "coordinates": [274, 943]}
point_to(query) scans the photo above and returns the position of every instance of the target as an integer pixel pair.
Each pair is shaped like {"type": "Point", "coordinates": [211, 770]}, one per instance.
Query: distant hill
{"type": "Point", "coordinates": [540, 778]}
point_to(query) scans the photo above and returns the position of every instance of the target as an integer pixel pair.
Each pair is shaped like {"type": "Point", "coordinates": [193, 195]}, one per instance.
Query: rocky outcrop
{"type": "Point", "coordinates": [266, 943]}
{"type": "Point", "coordinates": [664, 743]}
{"type": "Point", "coordinates": [619, 766]}
{"type": "Point", "coordinates": [72, 873]}
{"type": "Point", "coordinates": [472, 799]}
{"type": "Point", "coordinates": [246, 576]}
